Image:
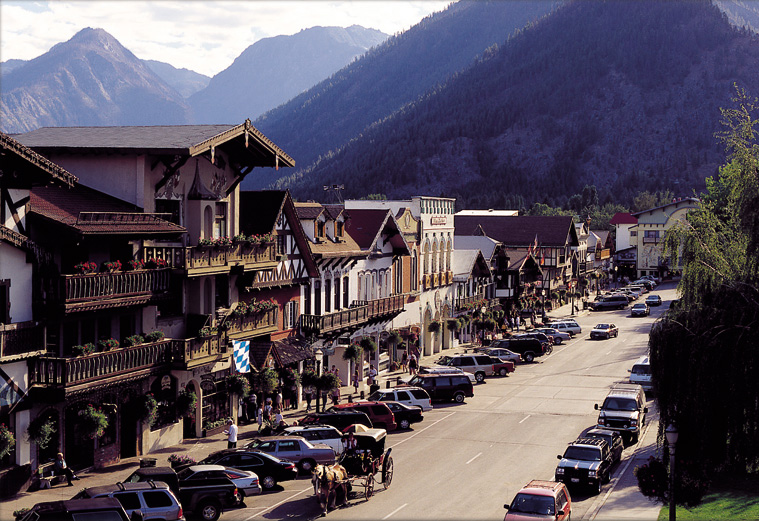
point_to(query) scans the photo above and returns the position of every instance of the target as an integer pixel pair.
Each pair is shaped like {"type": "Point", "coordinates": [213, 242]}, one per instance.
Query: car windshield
{"type": "Point", "coordinates": [602, 326]}
{"type": "Point", "coordinates": [641, 369]}
{"type": "Point", "coordinates": [415, 380]}
{"type": "Point", "coordinates": [583, 453]}
{"type": "Point", "coordinates": [533, 504]}
{"type": "Point", "coordinates": [444, 360]}
{"type": "Point", "coordinates": [639, 306]}
{"type": "Point", "coordinates": [620, 404]}
{"type": "Point", "coordinates": [186, 473]}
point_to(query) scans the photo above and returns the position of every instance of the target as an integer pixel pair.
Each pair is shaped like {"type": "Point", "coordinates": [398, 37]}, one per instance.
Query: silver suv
{"type": "Point", "coordinates": [479, 365]}
{"type": "Point", "coordinates": [624, 410]}
{"type": "Point", "coordinates": [153, 498]}
{"type": "Point", "coordinates": [411, 396]}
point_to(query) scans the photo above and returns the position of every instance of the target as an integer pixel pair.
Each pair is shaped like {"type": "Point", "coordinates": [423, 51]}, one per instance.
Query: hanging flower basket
{"type": "Point", "coordinates": [353, 352]}
{"type": "Point", "coordinates": [368, 344]}
{"type": "Point", "coordinates": [93, 422]}
{"type": "Point", "coordinates": [266, 381]}
{"type": "Point", "coordinates": [7, 440]}
{"type": "Point", "coordinates": [238, 384]}
{"type": "Point", "coordinates": [290, 377]}
{"type": "Point", "coordinates": [434, 326]}
{"type": "Point", "coordinates": [147, 408]}
{"type": "Point", "coordinates": [308, 378]}
{"type": "Point", "coordinates": [186, 403]}
{"type": "Point", "coordinates": [453, 325]}
{"type": "Point", "coordinates": [41, 431]}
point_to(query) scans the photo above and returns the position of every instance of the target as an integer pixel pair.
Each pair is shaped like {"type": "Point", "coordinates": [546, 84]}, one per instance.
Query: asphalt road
{"type": "Point", "coordinates": [466, 460]}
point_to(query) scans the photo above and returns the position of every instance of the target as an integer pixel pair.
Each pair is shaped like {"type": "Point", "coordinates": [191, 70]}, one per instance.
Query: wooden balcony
{"type": "Point", "coordinates": [471, 302]}
{"type": "Point", "coordinates": [251, 325]}
{"type": "Point", "coordinates": [21, 339]}
{"type": "Point", "coordinates": [435, 280]}
{"type": "Point", "coordinates": [194, 352]}
{"type": "Point", "coordinates": [211, 260]}
{"type": "Point", "coordinates": [362, 313]}
{"type": "Point", "coordinates": [69, 374]}
{"type": "Point", "coordinates": [110, 290]}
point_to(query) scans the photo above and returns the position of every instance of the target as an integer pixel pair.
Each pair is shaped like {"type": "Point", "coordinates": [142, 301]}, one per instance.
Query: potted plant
{"type": "Point", "coordinates": [186, 403]}
{"type": "Point", "coordinates": [178, 460]}
{"type": "Point", "coordinates": [154, 336]}
{"type": "Point", "coordinates": [133, 340]}
{"type": "Point", "coordinates": [153, 264]}
{"type": "Point", "coordinates": [238, 384]}
{"type": "Point", "coordinates": [41, 431]}
{"type": "Point", "coordinates": [368, 344]}
{"type": "Point", "coordinates": [92, 421]}
{"type": "Point", "coordinates": [221, 242]}
{"type": "Point", "coordinates": [147, 408]}
{"type": "Point", "coordinates": [83, 349]}
{"type": "Point", "coordinates": [86, 267]}
{"type": "Point", "coordinates": [7, 440]}
{"type": "Point", "coordinates": [135, 264]}
{"type": "Point", "coordinates": [205, 242]}
{"type": "Point", "coordinates": [107, 345]}
{"type": "Point", "coordinates": [111, 266]}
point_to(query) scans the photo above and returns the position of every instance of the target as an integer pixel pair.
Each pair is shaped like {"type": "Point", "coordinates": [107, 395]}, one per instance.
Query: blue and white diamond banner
{"type": "Point", "coordinates": [241, 355]}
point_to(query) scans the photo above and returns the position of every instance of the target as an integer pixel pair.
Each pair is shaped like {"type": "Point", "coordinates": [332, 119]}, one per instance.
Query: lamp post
{"type": "Point", "coordinates": [671, 434]}
{"type": "Point", "coordinates": [318, 357]}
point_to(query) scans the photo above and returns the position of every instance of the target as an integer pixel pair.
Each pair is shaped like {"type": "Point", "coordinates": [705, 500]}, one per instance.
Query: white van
{"type": "Point", "coordinates": [641, 373]}
{"type": "Point", "coordinates": [567, 326]}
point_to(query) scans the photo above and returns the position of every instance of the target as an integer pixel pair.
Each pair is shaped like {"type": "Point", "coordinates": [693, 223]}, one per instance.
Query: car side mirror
{"type": "Point", "coordinates": [558, 457]}
{"type": "Point", "coordinates": [506, 506]}
{"type": "Point", "coordinates": [596, 406]}
{"type": "Point", "coordinates": [560, 513]}
{"type": "Point", "coordinates": [645, 410]}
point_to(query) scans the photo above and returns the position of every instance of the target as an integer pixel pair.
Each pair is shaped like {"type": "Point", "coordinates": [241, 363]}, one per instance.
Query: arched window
{"type": "Point", "coordinates": [434, 267]}
{"type": "Point", "coordinates": [448, 254]}
{"type": "Point", "coordinates": [426, 254]}
{"type": "Point", "coordinates": [207, 223]}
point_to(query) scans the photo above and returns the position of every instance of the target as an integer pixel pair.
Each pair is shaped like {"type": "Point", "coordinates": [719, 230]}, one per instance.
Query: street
{"type": "Point", "coordinates": [466, 460]}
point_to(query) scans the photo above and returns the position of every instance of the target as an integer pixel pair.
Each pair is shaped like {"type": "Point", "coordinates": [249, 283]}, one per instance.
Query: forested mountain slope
{"type": "Point", "coordinates": [394, 74]}
{"type": "Point", "coordinates": [622, 95]}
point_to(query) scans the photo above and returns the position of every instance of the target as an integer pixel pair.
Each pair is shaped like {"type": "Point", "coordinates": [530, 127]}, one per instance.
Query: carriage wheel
{"type": "Point", "coordinates": [369, 486]}
{"type": "Point", "coordinates": [387, 471]}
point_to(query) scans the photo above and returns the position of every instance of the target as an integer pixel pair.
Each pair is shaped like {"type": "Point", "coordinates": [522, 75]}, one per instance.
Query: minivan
{"type": "Point", "coordinates": [567, 325]}
{"type": "Point", "coordinates": [610, 302]}
{"type": "Point", "coordinates": [641, 373]}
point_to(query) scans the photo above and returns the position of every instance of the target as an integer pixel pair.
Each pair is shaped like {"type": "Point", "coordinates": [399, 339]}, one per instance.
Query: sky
{"type": "Point", "coordinates": [204, 36]}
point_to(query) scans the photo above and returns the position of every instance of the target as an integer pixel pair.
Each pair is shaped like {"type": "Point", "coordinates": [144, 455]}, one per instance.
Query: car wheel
{"type": "Point", "coordinates": [404, 424]}
{"type": "Point", "coordinates": [529, 357]}
{"type": "Point", "coordinates": [458, 397]}
{"type": "Point", "coordinates": [209, 510]}
{"type": "Point", "coordinates": [608, 336]}
{"type": "Point", "coordinates": [557, 341]}
{"type": "Point", "coordinates": [306, 465]}
{"type": "Point", "coordinates": [268, 482]}
{"type": "Point", "coordinates": [480, 377]}
{"type": "Point", "coordinates": [502, 371]}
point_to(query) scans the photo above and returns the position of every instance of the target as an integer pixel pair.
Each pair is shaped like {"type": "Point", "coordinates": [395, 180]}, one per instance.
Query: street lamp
{"type": "Point", "coordinates": [671, 434]}
{"type": "Point", "coordinates": [318, 357]}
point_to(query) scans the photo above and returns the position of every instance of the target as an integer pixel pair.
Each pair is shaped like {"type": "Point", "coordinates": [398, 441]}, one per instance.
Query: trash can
{"type": "Point", "coordinates": [147, 462]}
{"type": "Point", "coordinates": [373, 387]}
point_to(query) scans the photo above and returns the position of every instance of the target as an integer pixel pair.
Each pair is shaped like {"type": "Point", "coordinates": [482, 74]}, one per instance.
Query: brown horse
{"type": "Point", "coordinates": [330, 486]}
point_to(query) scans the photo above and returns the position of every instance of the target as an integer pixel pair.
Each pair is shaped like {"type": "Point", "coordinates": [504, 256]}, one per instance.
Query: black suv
{"type": "Point", "coordinates": [102, 509]}
{"type": "Point", "coordinates": [587, 461]}
{"type": "Point", "coordinates": [444, 386]}
{"type": "Point", "coordinates": [528, 347]}
{"type": "Point", "coordinates": [612, 438]}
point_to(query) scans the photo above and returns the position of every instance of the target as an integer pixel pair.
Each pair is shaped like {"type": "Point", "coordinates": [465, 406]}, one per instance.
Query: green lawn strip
{"type": "Point", "coordinates": [730, 499]}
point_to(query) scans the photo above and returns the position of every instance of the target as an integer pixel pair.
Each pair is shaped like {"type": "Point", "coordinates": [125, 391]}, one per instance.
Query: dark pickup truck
{"type": "Point", "coordinates": [528, 347]}
{"type": "Point", "coordinates": [587, 461]}
{"type": "Point", "coordinates": [204, 496]}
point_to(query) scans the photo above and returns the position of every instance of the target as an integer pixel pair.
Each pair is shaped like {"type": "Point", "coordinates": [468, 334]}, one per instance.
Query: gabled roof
{"type": "Point", "coordinates": [309, 211]}
{"type": "Point", "coordinates": [675, 202]}
{"type": "Point", "coordinates": [519, 260]}
{"type": "Point", "coordinates": [292, 350]}
{"type": "Point", "coordinates": [91, 212]}
{"type": "Point", "coordinates": [623, 218]}
{"type": "Point", "coordinates": [475, 242]}
{"type": "Point", "coordinates": [21, 166]}
{"type": "Point", "coordinates": [333, 211]}
{"type": "Point", "coordinates": [468, 263]}
{"type": "Point", "coordinates": [521, 230]}
{"type": "Point", "coordinates": [367, 226]}
{"type": "Point", "coordinates": [603, 235]}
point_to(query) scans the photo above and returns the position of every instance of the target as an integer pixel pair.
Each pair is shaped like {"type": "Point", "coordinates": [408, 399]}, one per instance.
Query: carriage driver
{"type": "Point", "coordinates": [351, 444]}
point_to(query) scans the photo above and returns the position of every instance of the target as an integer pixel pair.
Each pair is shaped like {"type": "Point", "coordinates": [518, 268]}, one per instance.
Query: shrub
{"type": "Point", "coordinates": [181, 459]}
{"type": "Point", "coordinates": [41, 431]}
{"type": "Point", "coordinates": [652, 479]}
{"type": "Point", "coordinates": [92, 421]}
{"type": "Point", "coordinates": [107, 345]}
{"type": "Point", "coordinates": [186, 403]}
{"type": "Point", "coordinates": [147, 408]}
{"type": "Point", "coordinates": [154, 336]}
{"type": "Point", "coordinates": [133, 340]}
{"type": "Point", "coordinates": [7, 440]}
{"type": "Point", "coordinates": [83, 349]}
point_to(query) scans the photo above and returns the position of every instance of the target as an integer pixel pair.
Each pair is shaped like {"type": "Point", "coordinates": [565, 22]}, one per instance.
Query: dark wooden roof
{"type": "Point", "coordinates": [309, 211]}
{"type": "Point", "coordinates": [22, 167]}
{"type": "Point", "coordinates": [366, 226]}
{"type": "Point", "coordinates": [623, 218]}
{"type": "Point", "coordinates": [519, 231]}
{"type": "Point", "coordinates": [292, 350]}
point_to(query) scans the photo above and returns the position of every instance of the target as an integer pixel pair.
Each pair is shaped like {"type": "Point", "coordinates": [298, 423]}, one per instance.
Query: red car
{"type": "Point", "coordinates": [540, 500]}
{"type": "Point", "coordinates": [378, 412]}
{"type": "Point", "coordinates": [501, 367]}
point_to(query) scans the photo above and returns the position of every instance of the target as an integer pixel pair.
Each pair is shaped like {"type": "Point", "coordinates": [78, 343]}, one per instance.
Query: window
{"type": "Point", "coordinates": [403, 396]}
{"type": "Point", "coordinates": [346, 299]}
{"type": "Point", "coordinates": [317, 297]}
{"type": "Point", "coordinates": [328, 295]}
{"type": "Point", "coordinates": [289, 446]}
{"type": "Point", "coordinates": [307, 298]}
{"type": "Point", "coordinates": [157, 499]}
{"type": "Point", "coordinates": [337, 293]}
{"type": "Point", "coordinates": [281, 247]}
{"type": "Point", "coordinates": [129, 500]}
{"type": "Point", "coordinates": [633, 234]}
{"type": "Point", "coordinates": [320, 228]}
{"type": "Point", "coordinates": [339, 229]}
{"type": "Point", "coordinates": [220, 221]}
{"type": "Point", "coordinates": [291, 314]}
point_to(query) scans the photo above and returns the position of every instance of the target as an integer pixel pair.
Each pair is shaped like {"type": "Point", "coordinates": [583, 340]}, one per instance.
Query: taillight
{"type": "Point", "coordinates": [180, 513]}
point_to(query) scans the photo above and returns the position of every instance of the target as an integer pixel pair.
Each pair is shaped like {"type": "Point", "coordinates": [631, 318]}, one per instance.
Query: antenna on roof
{"type": "Point", "coordinates": [336, 190]}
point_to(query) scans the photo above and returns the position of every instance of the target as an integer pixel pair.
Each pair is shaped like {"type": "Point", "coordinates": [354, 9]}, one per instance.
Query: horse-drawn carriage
{"type": "Point", "coordinates": [357, 468]}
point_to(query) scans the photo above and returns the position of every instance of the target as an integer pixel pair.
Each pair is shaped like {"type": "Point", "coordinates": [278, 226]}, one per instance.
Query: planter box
{"type": "Point", "coordinates": [215, 430]}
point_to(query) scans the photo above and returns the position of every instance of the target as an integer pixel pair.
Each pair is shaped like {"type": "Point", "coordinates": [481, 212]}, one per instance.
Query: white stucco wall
{"type": "Point", "coordinates": [13, 266]}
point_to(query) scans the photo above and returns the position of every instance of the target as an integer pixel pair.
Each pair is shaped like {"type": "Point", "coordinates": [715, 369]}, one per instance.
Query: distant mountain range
{"type": "Point", "coordinates": [93, 80]}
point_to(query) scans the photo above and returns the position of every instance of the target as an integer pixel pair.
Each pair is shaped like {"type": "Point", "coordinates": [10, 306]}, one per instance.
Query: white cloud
{"type": "Point", "coordinates": [203, 36]}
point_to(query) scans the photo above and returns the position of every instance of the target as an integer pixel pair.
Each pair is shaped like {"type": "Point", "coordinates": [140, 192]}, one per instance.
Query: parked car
{"type": "Point", "coordinates": [528, 348]}
{"type": "Point", "coordinates": [504, 354]}
{"type": "Point", "coordinates": [612, 438]}
{"type": "Point", "coordinates": [338, 419]}
{"type": "Point", "coordinates": [444, 386]}
{"type": "Point", "coordinates": [295, 448]}
{"type": "Point", "coordinates": [640, 310]}
{"type": "Point", "coordinates": [379, 413]}
{"type": "Point", "coordinates": [245, 480]}
{"type": "Point", "coordinates": [326, 434]}
{"type": "Point", "coordinates": [411, 396]}
{"type": "Point", "coordinates": [649, 284]}
{"type": "Point", "coordinates": [269, 469]}
{"type": "Point", "coordinates": [624, 410]}
{"type": "Point", "coordinates": [586, 461]}
{"type": "Point", "coordinates": [100, 509]}
{"type": "Point", "coordinates": [652, 278]}
{"type": "Point", "coordinates": [540, 500]}
{"type": "Point", "coordinates": [479, 365]}
{"type": "Point", "coordinates": [442, 369]}
{"type": "Point", "coordinates": [405, 415]}
{"type": "Point", "coordinates": [604, 331]}
{"type": "Point", "coordinates": [154, 499]}
{"type": "Point", "coordinates": [501, 367]}
{"type": "Point", "coordinates": [540, 337]}
{"type": "Point", "coordinates": [640, 374]}
{"type": "Point", "coordinates": [568, 325]}
{"type": "Point", "coordinates": [610, 302]}
{"type": "Point", "coordinates": [653, 300]}
{"type": "Point", "coordinates": [559, 337]}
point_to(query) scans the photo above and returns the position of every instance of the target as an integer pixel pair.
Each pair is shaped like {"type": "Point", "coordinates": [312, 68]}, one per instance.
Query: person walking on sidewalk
{"type": "Point", "coordinates": [61, 469]}
{"type": "Point", "coordinates": [412, 364]}
{"type": "Point", "coordinates": [260, 417]}
{"type": "Point", "coordinates": [404, 361]}
{"type": "Point", "coordinates": [372, 375]}
{"type": "Point", "coordinates": [356, 380]}
{"type": "Point", "coordinates": [231, 432]}
{"type": "Point", "coordinates": [309, 392]}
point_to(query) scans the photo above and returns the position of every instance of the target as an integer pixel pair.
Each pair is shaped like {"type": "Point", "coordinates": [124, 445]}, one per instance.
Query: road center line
{"type": "Point", "coordinates": [474, 458]}
{"type": "Point", "coordinates": [523, 419]}
{"type": "Point", "coordinates": [421, 431]}
{"type": "Point", "coordinates": [277, 504]}
{"type": "Point", "coordinates": [395, 511]}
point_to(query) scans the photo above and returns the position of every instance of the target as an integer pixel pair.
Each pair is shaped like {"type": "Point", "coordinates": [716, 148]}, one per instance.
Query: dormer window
{"type": "Point", "coordinates": [339, 229]}
{"type": "Point", "coordinates": [320, 226]}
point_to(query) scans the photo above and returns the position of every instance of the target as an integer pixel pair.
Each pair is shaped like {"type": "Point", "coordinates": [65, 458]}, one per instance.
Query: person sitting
{"type": "Point", "coordinates": [61, 469]}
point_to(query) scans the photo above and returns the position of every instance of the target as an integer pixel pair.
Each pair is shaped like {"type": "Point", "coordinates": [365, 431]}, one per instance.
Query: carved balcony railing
{"type": "Point", "coordinates": [108, 290]}
{"type": "Point", "coordinates": [23, 338]}
{"type": "Point", "coordinates": [193, 352]}
{"type": "Point", "coordinates": [256, 324]}
{"type": "Point", "coordinates": [207, 260]}
{"type": "Point", "coordinates": [112, 365]}
{"type": "Point", "coordinates": [360, 314]}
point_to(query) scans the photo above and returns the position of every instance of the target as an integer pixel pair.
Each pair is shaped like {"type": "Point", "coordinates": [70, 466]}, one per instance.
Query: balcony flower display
{"type": "Point", "coordinates": [135, 264]}
{"type": "Point", "coordinates": [83, 349]}
{"type": "Point", "coordinates": [133, 340]}
{"type": "Point", "coordinates": [92, 421]}
{"type": "Point", "coordinates": [261, 306]}
{"type": "Point", "coordinates": [205, 242]}
{"type": "Point", "coordinates": [154, 336]}
{"type": "Point", "coordinates": [86, 267]}
{"type": "Point", "coordinates": [207, 331]}
{"type": "Point", "coordinates": [7, 440]}
{"type": "Point", "coordinates": [153, 264]}
{"type": "Point", "coordinates": [240, 237]}
{"type": "Point", "coordinates": [111, 266]}
{"type": "Point", "coordinates": [222, 241]}
{"type": "Point", "coordinates": [107, 345]}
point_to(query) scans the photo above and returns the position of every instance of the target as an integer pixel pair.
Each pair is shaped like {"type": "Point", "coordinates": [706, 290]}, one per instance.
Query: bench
{"type": "Point", "coordinates": [48, 478]}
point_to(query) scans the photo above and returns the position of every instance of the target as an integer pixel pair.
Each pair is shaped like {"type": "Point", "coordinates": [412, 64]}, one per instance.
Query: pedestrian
{"type": "Point", "coordinates": [61, 469]}
{"type": "Point", "coordinates": [336, 395]}
{"type": "Point", "coordinates": [278, 399]}
{"type": "Point", "coordinates": [333, 370]}
{"type": "Point", "coordinates": [252, 405]}
{"type": "Point", "coordinates": [372, 375]}
{"type": "Point", "coordinates": [278, 417]}
{"type": "Point", "coordinates": [412, 364]}
{"type": "Point", "coordinates": [260, 417]}
{"type": "Point", "coordinates": [309, 394]}
{"type": "Point", "coordinates": [267, 409]}
{"type": "Point", "coordinates": [356, 380]}
{"type": "Point", "coordinates": [404, 361]}
{"type": "Point", "coordinates": [516, 322]}
{"type": "Point", "coordinates": [231, 432]}
{"type": "Point", "coordinates": [242, 414]}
